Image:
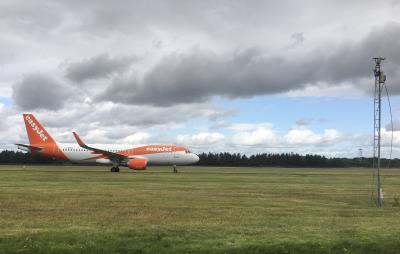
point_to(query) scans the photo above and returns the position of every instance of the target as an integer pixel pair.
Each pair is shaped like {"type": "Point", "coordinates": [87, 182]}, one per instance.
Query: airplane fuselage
{"type": "Point", "coordinates": [153, 154]}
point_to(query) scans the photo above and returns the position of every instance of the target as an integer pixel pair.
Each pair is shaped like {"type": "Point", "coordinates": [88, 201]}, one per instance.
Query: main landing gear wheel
{"type": "Point", "coordinates": [115, 169]}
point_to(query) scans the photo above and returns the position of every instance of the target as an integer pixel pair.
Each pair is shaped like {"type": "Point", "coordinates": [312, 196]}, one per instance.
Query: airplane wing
{"type": "Point", "coordinates": [110, 155]}
{"type": "Point", "coordinates": [32, 148]}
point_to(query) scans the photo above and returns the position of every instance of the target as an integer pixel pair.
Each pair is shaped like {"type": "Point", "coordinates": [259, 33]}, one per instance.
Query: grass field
{"type": "Point", "coordinates": [72, 209]}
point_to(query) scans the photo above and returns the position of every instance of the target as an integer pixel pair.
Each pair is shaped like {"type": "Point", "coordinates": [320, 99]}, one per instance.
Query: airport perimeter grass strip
{"type": "Point", "coordinates": [73, 209]}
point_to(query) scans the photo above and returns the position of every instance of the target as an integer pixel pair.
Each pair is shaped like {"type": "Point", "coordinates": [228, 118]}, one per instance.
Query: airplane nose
{"type": "Point", "coordinates": [195, 158]}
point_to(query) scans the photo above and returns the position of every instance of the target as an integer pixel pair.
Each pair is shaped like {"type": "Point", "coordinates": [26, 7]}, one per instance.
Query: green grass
{"type": "Point", "coordinates": [72, 209]}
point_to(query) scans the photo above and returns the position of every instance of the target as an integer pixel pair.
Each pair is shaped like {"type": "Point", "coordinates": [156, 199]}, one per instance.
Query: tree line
{"type": "Point", "coordinates": [18, 157]}
{"type": "Point", "coordinates": [287, 160]}
{"type": "Point", "coordinates": [231, 160]}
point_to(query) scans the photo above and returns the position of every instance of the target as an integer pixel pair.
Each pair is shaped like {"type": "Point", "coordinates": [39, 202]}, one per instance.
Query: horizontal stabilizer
{"type": "Point", "coordinates": [29, 147]}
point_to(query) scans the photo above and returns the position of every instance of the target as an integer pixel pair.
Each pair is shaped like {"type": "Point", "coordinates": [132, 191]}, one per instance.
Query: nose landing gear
{"type": "Point", "coordinates": [175, 170]}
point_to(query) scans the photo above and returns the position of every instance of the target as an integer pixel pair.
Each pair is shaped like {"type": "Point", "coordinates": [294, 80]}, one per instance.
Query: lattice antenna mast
{"type": "Point", "coordinates": [380, 79]}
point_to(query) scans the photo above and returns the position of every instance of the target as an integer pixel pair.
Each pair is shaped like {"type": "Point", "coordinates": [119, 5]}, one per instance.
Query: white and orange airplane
{"type": "Point", "coordinates": [136, 157]}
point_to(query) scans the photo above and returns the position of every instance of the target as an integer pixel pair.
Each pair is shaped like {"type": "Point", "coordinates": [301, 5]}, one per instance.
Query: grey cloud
{"type": "Point", "coordinates": [196, 77]}
{"type": "Point", "coordinates": [100, 66]}
{"type": "Point", "coordinates": [298, 39]}
{"type": "Point", "coordinates": [140, 16]}
{"type": "Point", "coordinates": [39, 16]}
{"type": "Point", "coordinates": [354, 60]}
{"type": "Point", "coordinates": [107, 115]}
{"type": "Point", "coordinates": [225, 18]}
{"type": "Point", "coordinates": [6, 56]}
{"type": "Point", "coordinates": [199, 76]}
{"type": "Point", "coordinates": [304, 121]}
{"type": "Point", "coordinates": [38, 91]}
{"type": "Point", "coordinates": [151, 116]}
{"type": "Point", "coordinates": [396, 126]}
{"type": "Point", "coordinates": [245, 22]}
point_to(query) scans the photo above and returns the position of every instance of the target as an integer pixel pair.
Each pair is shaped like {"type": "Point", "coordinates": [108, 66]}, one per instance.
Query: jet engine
{"type": "Point", "coordinates": [137, 164]}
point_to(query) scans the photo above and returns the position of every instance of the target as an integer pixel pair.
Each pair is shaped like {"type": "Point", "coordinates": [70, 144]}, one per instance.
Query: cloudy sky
{"type": "Point", "coordinates": [237, 76]}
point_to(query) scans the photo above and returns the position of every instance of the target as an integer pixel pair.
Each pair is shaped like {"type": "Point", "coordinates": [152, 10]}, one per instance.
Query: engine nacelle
{"type": "Point", "coordinates": [137, 164]}
{"type": "Point", "coordinates": [104, 161]}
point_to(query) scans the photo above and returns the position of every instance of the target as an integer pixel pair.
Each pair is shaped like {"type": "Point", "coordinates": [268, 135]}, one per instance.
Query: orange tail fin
{"type": "Point", "coordinates": [37, 135]}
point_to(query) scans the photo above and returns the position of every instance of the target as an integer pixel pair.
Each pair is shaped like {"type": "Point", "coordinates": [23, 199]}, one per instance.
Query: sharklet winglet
{"type": "Point", "coordinates": [79, 140]}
